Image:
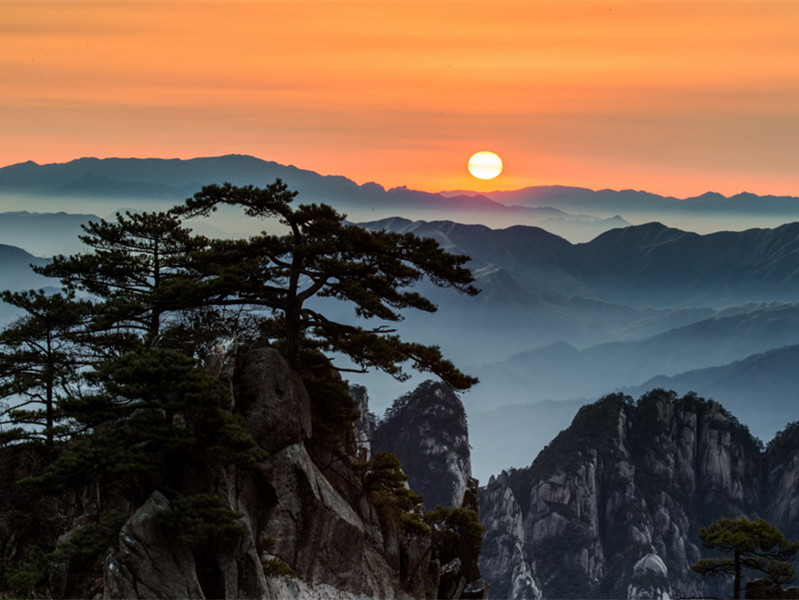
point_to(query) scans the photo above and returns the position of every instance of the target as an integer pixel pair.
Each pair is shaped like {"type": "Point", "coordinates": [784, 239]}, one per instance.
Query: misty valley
{"type": "Point", "coordinates": [637, 382]}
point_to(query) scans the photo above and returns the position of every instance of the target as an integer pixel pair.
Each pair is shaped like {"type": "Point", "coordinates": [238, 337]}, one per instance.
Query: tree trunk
{"type": "Point", "coordinates": [736, 584]}
{"type": "Point", "coordinates": [49, 394]}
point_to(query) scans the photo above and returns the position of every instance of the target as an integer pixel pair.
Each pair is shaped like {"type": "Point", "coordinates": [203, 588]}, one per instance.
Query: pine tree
{"type": "Point", "coordinates": [39, 364]}
{"type": "Point", "coordinates": [137, 270]}
{"type": "Point", "coordinates": [756, 545]}
{"type": "Point", "coordinates": [322, 256]}
{"type": "Point", "coordinates": [153, 413]}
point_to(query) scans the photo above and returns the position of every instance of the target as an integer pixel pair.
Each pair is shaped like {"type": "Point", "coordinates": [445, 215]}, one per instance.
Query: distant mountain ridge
{"type": "Point", "coordinates": [584, 199]}
{"type": "Point", "coordinates": [177, 178]}
{"type": "Point", "coordinates": [576, 213]}
{"type": "Point", "coordinates": [150, 180]}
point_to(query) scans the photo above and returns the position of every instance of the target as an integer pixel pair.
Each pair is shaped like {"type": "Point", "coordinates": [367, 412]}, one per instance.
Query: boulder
{"type": "Point", "coordinates": [272, 399]}
{"type": "Point", "coordinates": [147, 562]}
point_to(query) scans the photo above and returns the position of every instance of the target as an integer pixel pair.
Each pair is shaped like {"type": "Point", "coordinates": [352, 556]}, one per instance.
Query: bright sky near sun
{"type": "Point", "coordinates": [676, 97]}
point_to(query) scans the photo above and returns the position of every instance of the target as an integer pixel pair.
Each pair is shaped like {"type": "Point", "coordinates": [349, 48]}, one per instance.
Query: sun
{"type": "Point", "coordinates": [485, 165]}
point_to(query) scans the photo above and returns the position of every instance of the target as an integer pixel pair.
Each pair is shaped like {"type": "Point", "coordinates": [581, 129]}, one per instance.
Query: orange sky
{"type": "Point", "coordinates": [675, 97]}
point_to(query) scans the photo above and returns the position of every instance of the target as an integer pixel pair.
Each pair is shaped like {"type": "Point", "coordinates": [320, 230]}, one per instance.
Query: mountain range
{"type": "Point", "coordinates": [160, 182]}
{"type": "Point", "coordinates": [578, 214]}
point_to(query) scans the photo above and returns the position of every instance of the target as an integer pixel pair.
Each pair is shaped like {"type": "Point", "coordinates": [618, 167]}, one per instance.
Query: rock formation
{"type": "Point", "coordinates": [612, 507]}
{"type": "Point", "coordinates": [307, 528]}
{"type": "Point", "coordinates": [427, 431]}
{"type": "Point", "coordinates": [366, 424]}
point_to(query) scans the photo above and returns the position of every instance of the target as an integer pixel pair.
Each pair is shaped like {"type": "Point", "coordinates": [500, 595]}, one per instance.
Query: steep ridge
{"type": "Point", "coordinates": [612, 507]}
{"type": "Point", "coordinates": [427, 431]}
{"type": "Point", "coordinates": [308, 526]}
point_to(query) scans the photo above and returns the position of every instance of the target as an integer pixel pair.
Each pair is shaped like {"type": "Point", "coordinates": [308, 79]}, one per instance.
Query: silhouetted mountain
{"type": "Point", "coordinates": [16, 275]}
{"type": "Point", "coordinates": [647, 265]}
{"type": "Point", "coordinates": [151, 180]}
{"type": "Point", "coordinates": [176, 179]}
{"type": "Point", "coordinates": [15, 269]}
{"type": "Point", "coordinates": [657, 266]}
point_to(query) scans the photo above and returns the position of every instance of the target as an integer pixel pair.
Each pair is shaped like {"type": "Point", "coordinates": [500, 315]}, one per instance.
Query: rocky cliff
{"type": "Point", "coordinates": [612, 506]}
{"type": "Point", "coordinates": [307, 524]}
{"type": "Point", "coordinates": [427, 431]}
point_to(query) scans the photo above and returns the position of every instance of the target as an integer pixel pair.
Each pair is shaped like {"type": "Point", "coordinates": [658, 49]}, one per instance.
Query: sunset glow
{"type": "Point", "coordinates": [676, 97]}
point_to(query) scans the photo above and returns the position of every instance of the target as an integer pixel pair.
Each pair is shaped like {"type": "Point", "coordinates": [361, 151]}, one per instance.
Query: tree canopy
{"type": "Point", "coordinates": [756, 545]}
{"type": "Point", "coordinates": [322, 256]}
{"type": "Point", "coordinates": [137, 271]}
{"type": "Point", "coordinates": [39, 363]}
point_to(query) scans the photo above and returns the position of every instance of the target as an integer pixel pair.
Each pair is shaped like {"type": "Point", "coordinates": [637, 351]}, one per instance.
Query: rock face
{"type": "Point", "coordinates": [294, 519]}
{"type": "Point", "coordinates": [782, 480]}
{"type": "Point", "coordinates": [427, 431]}
{"type": "Point", "coordinates": [650, 579]}
{"type": "Point", "coordinates": [612, 507]}
{"type": "Point", "coordinates": [366, 424]}
{"type": "Point", "coordinates": [504, 561]}
{"type": "Point", "coordinates": [147, 563]}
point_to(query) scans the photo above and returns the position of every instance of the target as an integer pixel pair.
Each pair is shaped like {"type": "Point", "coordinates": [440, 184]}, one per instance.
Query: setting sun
{"type": "Point", "coordinates": [485, 165]}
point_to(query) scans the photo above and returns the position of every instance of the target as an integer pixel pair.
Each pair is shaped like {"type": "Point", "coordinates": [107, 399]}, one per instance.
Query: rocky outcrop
{"type": "Point", "coordinates": [650, 579]}
{"type": "Point", "coordinates": [306, 525]}
{"type": "Point", "coordinates": [366, 424]}
{"type": "Point", "coordinates": [427, 431]}
{"type": "Point", "coordinates": [612, 507]}
{"type": "Point", "coordinates": [504, 561]}
{"type": "Point", "coordinates": [272, 399]}
{"type": "Point", "coordinates": [300, 536]}
{"type": "Point", "coordinates": [147, 563]}
{"type": "Point", "coordinates": [782, 480]}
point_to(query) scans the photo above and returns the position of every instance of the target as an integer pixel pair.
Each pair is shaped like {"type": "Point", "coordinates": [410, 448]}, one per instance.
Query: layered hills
{"type": "Point", "coordinates": [567, 321]}
{"type": "Point", "coordinates": [89, 182]}
{"type": "Point", "coordinates": [562, 321]}
{"type": "Point", "coordinates": [563, 316]}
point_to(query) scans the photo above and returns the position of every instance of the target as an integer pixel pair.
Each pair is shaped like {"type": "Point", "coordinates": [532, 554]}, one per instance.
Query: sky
{"type": "Point", "coordinates": [675, 97]}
